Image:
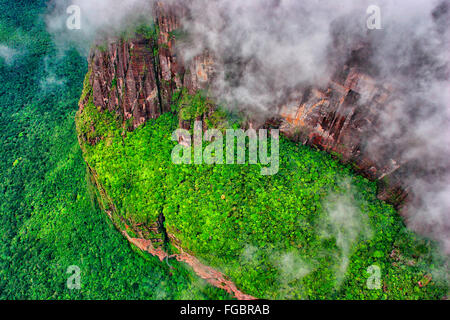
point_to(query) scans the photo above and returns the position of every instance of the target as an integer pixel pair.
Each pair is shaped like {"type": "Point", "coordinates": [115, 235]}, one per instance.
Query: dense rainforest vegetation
{"type": "Point", "coordinates": [48, 217]}
{"type": "Point", "coordinates": [312, 231]}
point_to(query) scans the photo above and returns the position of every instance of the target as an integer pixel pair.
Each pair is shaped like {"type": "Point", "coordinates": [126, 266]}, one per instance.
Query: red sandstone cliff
{"type": "Point", "coordinates": [137, 78]}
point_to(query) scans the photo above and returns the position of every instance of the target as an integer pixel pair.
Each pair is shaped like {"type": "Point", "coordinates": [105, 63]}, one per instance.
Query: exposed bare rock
{"type": "Point", "coordinates": [170, 70]}
{"type": "Point", "coordinates": [137, 79]}
{"type": "Point", "coordinates": [211, 275]}
{"type": "Point", "coordinates": [340, 119]}
{"type": "Point", "coordinates": [123, 79]}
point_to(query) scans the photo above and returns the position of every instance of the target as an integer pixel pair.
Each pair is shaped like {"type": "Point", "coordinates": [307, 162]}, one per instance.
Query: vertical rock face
{"type": "Point", "coordinates": [342, 118]}
{"type": "Point", "coordinates": [123, 80]}
{"type": "Point", "coordinates": [170, 69]}
{"type": "Point", "coordinates": [137, 78]}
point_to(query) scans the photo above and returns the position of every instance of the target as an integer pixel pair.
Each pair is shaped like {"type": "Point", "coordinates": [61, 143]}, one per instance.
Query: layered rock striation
{"type": "Point", "coordinates": [137, 78]}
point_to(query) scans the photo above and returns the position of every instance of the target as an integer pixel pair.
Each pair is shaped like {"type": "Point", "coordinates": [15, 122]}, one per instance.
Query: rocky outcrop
{"type": "Point", "coordinates": [343, 119]}
{"type": "Point", "coordinates": [210, 275]}
{"type": "Point", "coordinates": [123, 80]}
{"type": "Point", "coordinates": [137, 77]}
{"type": "Point", "coordinates": [144, 243]}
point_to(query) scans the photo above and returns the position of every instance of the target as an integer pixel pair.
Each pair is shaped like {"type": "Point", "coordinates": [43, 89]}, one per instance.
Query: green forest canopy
{"type": "Point", "coordinates": [309, 232]}
{"type": "Point", "coordinates": [48, 217]}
